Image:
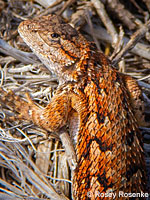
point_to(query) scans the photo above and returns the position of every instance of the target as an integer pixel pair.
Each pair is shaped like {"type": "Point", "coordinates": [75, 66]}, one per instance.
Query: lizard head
{"type": "Point", "coordinates": [57, 44]}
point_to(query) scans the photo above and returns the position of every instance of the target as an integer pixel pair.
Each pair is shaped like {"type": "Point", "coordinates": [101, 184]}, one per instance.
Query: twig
{"type": "Point", "coordinates": [119, 43]}
{"type": "Point", "coordinates": [53, 8]}
{"type": "Point", "coordinates": [143, 78]}
{"type": "Point", "coordinates": [67, 4]}
{"type": "Point", "coordinates": [45, 3]}
{"type": "Point", "coordinates": [69, 149]}
{"type": "Point", "coordinates": [78, 18]}
{"type": "Point", "coordinates": [124, 15]}
{"type": "Point", "coordinates": [137, 6]}
{"type": "Point", "coordinates": [139, 49]}
{"type": "Point", "coordinates": [132, 42]}
{"type": "Point", "coordinates": [28, 58]}
{"type": "Point", "coordinates": [106, 20]}
{"type": "Point", "coordinates": [147, 2]}
{"type": "Point", "coordinates": [143, 84]}
{"type": "Point", "coordinates": [91, 29]}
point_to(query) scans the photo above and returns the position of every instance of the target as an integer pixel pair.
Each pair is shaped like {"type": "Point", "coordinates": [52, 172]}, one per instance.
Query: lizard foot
{"type": "Point", "coordinates": [16, 104]}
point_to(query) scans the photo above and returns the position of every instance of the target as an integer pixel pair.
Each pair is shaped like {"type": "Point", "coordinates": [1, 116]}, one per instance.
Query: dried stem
{"type": "Point", "coordinates": [132, 42]}
{"type": "Point", "coordinates": [99, 6]}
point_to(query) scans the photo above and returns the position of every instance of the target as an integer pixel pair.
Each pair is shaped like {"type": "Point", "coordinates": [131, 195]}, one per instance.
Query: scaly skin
{"type": "Point", "coordinates": [94, 99]}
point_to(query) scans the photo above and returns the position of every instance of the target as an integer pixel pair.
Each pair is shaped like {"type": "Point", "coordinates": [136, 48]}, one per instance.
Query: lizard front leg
{"type": "Point", "coordinates": [52, 118]}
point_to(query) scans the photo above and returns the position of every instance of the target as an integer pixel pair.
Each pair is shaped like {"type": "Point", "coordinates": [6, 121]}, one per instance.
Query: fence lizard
{"type": "Point", "coordinates": [94, 100]}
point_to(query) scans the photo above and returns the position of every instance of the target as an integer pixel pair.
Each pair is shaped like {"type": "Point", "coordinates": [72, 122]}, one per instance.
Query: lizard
{"type": "Point", "coordinates": [95, 101]}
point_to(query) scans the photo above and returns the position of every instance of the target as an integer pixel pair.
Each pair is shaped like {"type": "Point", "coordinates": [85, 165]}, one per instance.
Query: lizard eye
{"type": "Point", "coordinates": [55, 35]}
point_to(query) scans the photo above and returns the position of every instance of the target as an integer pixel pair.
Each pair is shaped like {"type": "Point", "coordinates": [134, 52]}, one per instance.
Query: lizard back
{"type": "Point", "coordinates": [109, 148]}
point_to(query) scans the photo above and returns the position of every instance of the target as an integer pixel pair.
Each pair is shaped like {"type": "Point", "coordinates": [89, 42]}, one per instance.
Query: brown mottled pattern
{"type": "Point", "coordinates": [94, 100]}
